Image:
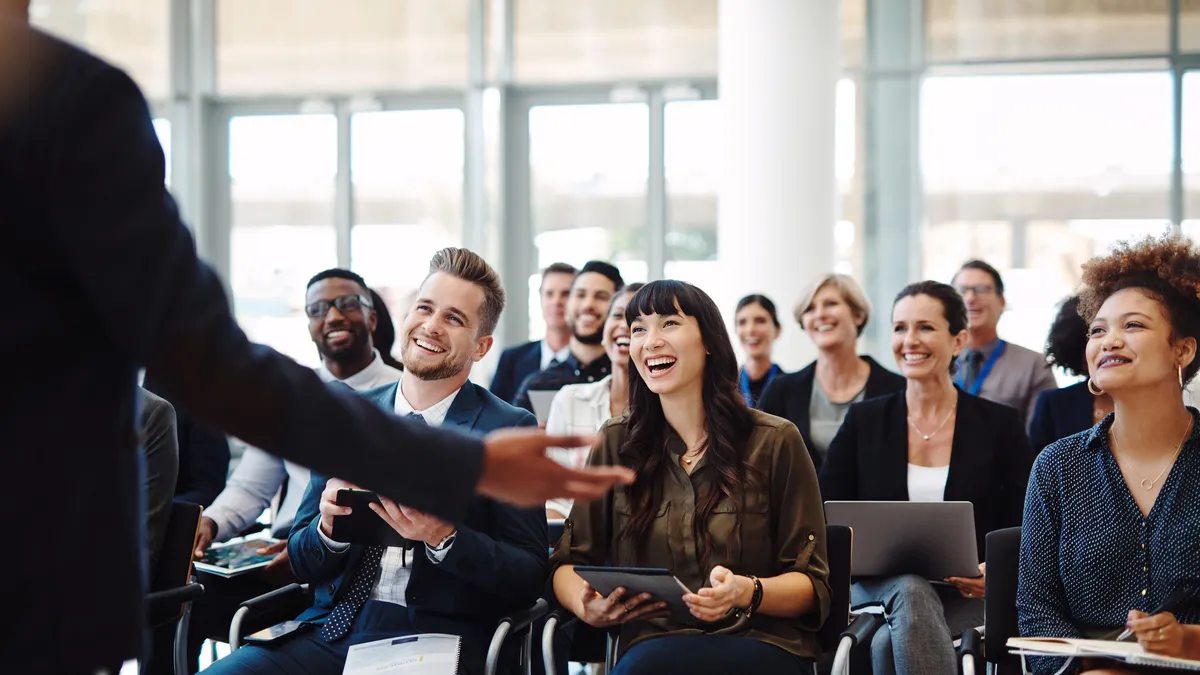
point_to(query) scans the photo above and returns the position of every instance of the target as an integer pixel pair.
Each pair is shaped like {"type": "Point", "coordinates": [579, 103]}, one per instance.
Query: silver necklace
{"type": "Point", "coordinates": [928, 436]}
{"type": "Point", "coordinates": [1147, 483]}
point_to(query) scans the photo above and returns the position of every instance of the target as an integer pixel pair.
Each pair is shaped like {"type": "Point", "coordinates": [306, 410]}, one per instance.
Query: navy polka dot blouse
{"type": "Point", "coordinates": [1088, 555]}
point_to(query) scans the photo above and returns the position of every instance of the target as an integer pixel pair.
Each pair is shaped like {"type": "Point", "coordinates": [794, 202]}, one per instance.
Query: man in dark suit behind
{"type": "Point", "coordinates": [519, 362]}
{"type": "Point", "coordinates": [458, 579]}
{"type": "Point", "coordinates": [104, 278]}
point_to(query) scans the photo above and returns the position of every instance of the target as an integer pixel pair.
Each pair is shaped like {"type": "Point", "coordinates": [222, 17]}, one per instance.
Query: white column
{"type": "Point", "coordinates": [778, 71]}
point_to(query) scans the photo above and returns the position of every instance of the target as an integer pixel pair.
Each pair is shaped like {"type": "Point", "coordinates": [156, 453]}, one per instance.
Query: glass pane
{"type": "Point", "coordinates": [408, 194]}
{"type": "Point", "coordinates": [131, 33]}
{"type": "Point", "coordinates": [1036, 174]}
{"type": "Point", "coordinates": [282, 170]}
{"type": "Point", "coordinates": [162, 128]}
{"type": "Point", "coordinates": [1189, 26]}
{"type": "Point", "coordinates": [588, 168]}
{"type": "Point", "coordinates": [285, 46]}
{"type": "Point", "coordinates": [964, 30]}
{"type": "Point", "coordinates": [1191, 155]}
{"type": "Point", "coordinates": [590, 40]}
{"type": "Point", "coordinates": [693, 156]}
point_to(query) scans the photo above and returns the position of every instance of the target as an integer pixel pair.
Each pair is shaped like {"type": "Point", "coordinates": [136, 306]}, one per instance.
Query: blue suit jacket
{"type": "Point", "coordinates": [497, 564]}
{"type": "Point", "coordinates": [1059, 413]}
{"type": "Point", "coordinates": [516, 364]}
{"type": "Point", "coordinates": [102, 278]}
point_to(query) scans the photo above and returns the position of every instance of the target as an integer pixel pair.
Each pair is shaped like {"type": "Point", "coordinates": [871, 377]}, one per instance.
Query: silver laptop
{"type": "Point", "coordinates": [932, 539]}
{"type": "Point", "coordinates": [541, 400]}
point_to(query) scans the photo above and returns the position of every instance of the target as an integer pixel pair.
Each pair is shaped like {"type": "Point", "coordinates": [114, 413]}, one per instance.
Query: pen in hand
{"type": "Point", "coordinates": [1182, 592]}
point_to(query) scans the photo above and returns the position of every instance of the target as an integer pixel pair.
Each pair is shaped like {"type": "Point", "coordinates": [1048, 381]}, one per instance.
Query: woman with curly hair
{"type": "Point", "coordinates": [1059, 413]}
{"type": "Point", "coordinates": [1112, 514]}
{"type": "Point", "coordinates": [725, 497]}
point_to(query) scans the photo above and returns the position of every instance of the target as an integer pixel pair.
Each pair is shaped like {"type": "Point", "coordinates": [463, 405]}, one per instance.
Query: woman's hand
{"type": "Point", "coordinates": [712, 604]}
{"type": "Point", "coordinates": [600, 611]}
{"type": "Point", "coordinates": [971, 587]}
{"type": "Point", "coordinates": [1160, 633]}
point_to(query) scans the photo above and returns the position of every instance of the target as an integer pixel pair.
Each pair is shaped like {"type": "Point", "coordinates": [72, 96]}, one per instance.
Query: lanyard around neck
{"type": "Point", "coordinates": [983, 372]}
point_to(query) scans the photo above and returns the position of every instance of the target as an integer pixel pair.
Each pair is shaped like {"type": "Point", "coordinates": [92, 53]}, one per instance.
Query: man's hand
{"type": "Point", "coordinates": [412, 524]}
{"type": "Point", "coordinates": [205, 536]}
{"type": "Point", "coordinates": [517, 470]}
{"type": "Point", "coordinates": [329, 507]}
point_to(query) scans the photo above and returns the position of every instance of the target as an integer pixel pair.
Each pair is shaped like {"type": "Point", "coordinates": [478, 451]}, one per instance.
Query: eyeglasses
{"type": "Point", "coordinates": [981, 289]}
{"type": "Point", "coordinates": [345, 303]}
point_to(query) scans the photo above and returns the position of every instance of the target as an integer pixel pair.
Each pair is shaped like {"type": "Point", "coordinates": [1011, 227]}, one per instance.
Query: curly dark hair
{"type": "Point", "coordinates": [1165, 268]}
{"type": "Point", "coordinates": [1067, 340]}
{"type": "Point", "coordinates": [728, 420]}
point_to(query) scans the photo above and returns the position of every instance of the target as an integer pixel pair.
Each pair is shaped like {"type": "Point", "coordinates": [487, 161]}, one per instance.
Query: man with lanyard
{"type": "Point", "coordinates": [990, 367]}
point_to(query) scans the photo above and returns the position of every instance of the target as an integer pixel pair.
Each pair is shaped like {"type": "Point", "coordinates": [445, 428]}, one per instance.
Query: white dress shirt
{"type": "Point", "coordinates": [257, 478]}
{"type": "Point", "coordinates": [548, 354]}
{"type": "Point", "coordinates": [577, 409]}
{"type": "Point", "coordinates": [394, 569]}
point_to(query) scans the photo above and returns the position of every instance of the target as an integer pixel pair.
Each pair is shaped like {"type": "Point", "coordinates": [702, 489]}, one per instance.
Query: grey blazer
{"type": "Point", "coordinates": [160, 446]}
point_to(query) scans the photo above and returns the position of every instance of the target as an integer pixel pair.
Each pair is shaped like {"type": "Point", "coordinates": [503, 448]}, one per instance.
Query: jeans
{"type": "Point", "coordinates": [922, 621]}
{"type": "Point", "coordinates": [702, 654]}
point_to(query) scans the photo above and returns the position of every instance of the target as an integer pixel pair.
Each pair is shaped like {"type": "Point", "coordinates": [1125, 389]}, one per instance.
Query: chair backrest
{"type": "Point", "coordinates": [1000, 614]}
{"type": "Point", "coordinates": [839, 542]}
{"type": "Point", "coordinates": [174, 566]}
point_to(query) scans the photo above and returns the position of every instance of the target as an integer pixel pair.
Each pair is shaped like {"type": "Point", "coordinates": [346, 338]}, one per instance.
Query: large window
{"type": "Point", "coordinates": [282, 171]}
{"type": "Point", "coordinates": [1037, 173]}
{"type": "Point", "coordinates": [588, 168]}
{"type": "Point", "coordinates": [303, 46]}
{"type": "Point", "coordinates": [407, 168]}
{"type": "Point", "coordinates": [132, 33]}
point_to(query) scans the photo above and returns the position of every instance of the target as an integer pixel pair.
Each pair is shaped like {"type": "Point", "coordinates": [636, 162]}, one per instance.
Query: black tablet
{"type": "Point", "coordinates": [659, 583]}
{"type": "Point", "coordinates": [364, 526]}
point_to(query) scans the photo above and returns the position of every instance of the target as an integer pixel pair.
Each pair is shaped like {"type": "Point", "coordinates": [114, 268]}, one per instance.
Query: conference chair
{"type": "Point", "coordinates": [172, 590]}
{"type": "Point", "coordinates": [987, 647]}
{"type": "Point", "coordinates": [838, 636]}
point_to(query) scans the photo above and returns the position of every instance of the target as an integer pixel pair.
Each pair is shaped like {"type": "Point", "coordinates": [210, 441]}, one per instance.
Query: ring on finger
{"type": "Point", "coordinates": [1161, 633]}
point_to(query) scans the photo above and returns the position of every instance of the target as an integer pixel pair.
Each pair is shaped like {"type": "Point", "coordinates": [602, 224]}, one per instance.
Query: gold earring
{"type": "Point", "coordinates": [1180, 376]}
{"type": "Point", "coordinates": [1095, 391]}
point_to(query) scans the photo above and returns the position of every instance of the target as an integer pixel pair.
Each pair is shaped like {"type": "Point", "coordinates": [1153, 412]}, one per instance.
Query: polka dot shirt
{"type": "Point", "coordinates": [1088, 555]}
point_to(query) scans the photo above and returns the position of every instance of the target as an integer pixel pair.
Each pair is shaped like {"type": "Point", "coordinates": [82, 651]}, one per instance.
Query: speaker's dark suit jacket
{"type": "Point", "coordinates": [990, 459]}
{"type": "Point", "coordinates": [496, 565]}
{"type": "Point", "coordinates": [101, 277]}
{"type": "Point", "coordinates": [516, 364]}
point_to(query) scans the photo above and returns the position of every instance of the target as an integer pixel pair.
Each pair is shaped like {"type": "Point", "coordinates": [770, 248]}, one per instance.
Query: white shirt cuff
{"type": "Point", "coordinates": [335, 546]}
{"type": "Point", "coordinates": [436, 556]}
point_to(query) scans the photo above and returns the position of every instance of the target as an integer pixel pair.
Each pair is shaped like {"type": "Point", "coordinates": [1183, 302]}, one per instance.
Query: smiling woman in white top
{"type": "Point", "coordinates": [584, 408]}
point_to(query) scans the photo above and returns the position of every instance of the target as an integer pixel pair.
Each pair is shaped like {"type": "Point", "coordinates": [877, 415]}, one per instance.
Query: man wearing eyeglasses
{"type": "Point", "coordinates": [990, 367]}
{"type": "Point", "coordinates": [341, 320]}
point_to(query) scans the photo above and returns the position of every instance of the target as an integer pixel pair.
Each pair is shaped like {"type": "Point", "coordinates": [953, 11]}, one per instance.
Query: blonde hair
{"type": "Point", "coordinates": [847, 287]}
{"type": "Point", "coordinates": [469, 266]}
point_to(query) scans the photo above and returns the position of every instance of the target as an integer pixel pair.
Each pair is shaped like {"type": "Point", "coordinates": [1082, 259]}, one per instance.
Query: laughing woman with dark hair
{"type": "Point", "coordinates": [726, 498]}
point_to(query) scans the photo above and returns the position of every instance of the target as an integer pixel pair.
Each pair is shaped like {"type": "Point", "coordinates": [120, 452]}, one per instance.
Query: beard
{"type": "Point", "coordinates": [592, 339]}
{"type": "Point", "coordinates": [442, 370]}
{"type": "Point", "coordinates": [358, 347]}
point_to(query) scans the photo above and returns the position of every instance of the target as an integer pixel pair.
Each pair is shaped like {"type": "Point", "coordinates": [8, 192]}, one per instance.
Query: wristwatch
{"type": "Point", "coordinates": [444, 543]}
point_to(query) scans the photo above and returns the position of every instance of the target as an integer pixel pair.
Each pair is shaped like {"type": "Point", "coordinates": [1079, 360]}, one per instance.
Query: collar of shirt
{"type": "Point", "coordinates": [1097, 436]}
{"type": "Point", "coordinates": [374, 375]}
{"type": "Point", "coordinates": [434, 415]}
{"type": "Point", "coordinates": [985, 350]}
{"type": "Point", "coordinates": [597, 369]}
{"type": "Point", "coordinates": [549, 354]}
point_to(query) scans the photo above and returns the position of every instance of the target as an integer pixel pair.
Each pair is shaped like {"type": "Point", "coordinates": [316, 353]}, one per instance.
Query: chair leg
{"type": "Point", "coordinates": [548, 643]}
{"type": "Point", "coordinates": [968, 664]}
{"type": "Point", "coordinates": [181, 641]}
{"type": "Point", "coordinates": [235, 629]}
{"type": "Point", "coordinates": [841, 658]}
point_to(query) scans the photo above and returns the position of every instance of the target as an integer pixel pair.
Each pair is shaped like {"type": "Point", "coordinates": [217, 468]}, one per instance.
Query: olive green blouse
{"type": "Point", "coordinates": [783, 530]}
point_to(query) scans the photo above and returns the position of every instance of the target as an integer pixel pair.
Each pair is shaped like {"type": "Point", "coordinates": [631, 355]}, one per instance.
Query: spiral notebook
{"type": "Point", "coordinates": [1129, 652]}
{"type": "Point", "coordinates": [427, 654]}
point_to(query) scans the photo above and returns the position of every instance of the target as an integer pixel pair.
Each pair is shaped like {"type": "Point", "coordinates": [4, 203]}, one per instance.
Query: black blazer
{"type": "Point", "coordinates": [1059, 413]}
{"type": "Point", "coordinates": [990, 459]}
{"type": "Point", "coordinates": [102, 278]}
{"type": "Point", "coordinates": [788, 396]}
{"type": "Point", "coordinates": [516, 364]}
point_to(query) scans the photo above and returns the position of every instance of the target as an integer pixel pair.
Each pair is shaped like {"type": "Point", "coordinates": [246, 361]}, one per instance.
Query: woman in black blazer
{"type": "Point", "coordinates": [930, 442]}
{"type": "Point", "coordinates": [1059, 413]}
{"type": "Point", "coordinates": [833, 311]}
